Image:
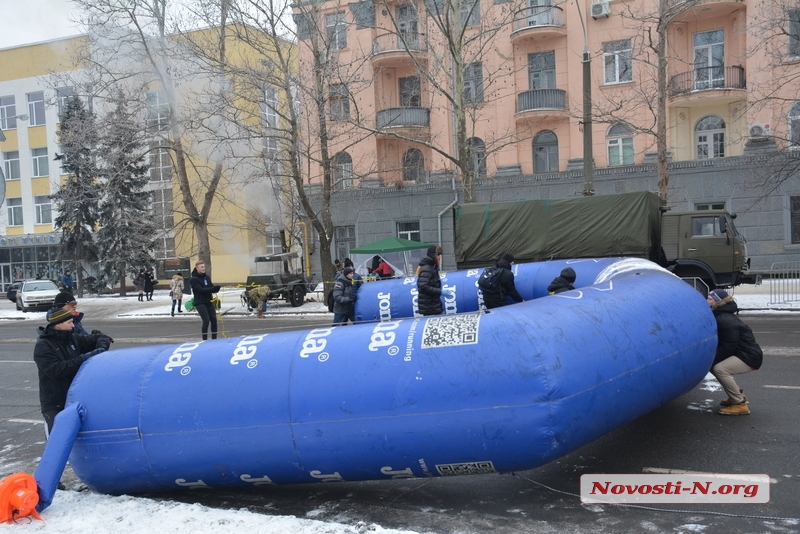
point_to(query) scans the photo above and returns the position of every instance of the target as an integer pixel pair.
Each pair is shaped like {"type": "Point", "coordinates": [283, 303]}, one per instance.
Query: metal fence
{"type": "Point", "coordinates": [784, 282]}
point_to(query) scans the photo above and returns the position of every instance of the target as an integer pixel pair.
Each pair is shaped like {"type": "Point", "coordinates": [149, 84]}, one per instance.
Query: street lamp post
{"type": "Point", "coordinates": [588, 159]}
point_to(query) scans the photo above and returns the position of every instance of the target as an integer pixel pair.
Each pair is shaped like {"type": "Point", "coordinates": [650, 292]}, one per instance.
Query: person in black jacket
{"type": "Point", "coordinates": [737, 352]}
{"type": "Point", "coordinates": [507, 286]}
{"type": "Point", "coordinates": [344, 297]}
{"type": "Point", "coordinates": [59, 353]}
{"type": "Point", "coordinates": [203, 290]}
{"type": "Point", "coordinates": [429, 285]}
{"type": "Point", "coordinates": [562, 282]}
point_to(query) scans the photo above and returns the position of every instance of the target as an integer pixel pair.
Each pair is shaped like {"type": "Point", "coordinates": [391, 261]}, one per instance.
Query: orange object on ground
{"type": "Point", "coordinates": [18, 497]}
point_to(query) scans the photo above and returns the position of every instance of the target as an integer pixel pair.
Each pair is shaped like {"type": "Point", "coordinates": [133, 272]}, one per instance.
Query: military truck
{"type": "Point", "coordinates": [282, 281]}
{"type": "Point", "coordinates": [693, 244]}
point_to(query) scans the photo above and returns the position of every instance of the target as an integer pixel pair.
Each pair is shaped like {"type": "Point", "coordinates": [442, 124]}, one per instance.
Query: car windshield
{"type": "Point", "coordinates": [40, 285]}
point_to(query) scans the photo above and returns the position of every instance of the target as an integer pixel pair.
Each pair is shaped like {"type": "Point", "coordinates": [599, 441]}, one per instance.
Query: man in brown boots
{"type": "Point", "coordinates": [259, 295]}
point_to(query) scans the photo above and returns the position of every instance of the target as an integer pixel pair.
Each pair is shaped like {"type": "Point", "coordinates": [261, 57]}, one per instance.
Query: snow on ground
{"type": "Point", "coordinates": [75, 512]}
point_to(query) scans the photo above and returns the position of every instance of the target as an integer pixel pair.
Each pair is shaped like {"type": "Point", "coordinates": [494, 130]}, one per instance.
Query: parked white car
{"type": "Point", "coordinates": [36, 294]}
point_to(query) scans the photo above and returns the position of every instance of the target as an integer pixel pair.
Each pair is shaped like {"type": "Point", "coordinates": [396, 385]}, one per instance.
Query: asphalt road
{"type": "Point", "coordinates": [684, 435]}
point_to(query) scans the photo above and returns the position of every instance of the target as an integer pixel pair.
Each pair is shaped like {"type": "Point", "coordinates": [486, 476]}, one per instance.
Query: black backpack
{"type": "Point", "coordinates": [489, 281]}
{"type": "Point", "coordinates": [330, 301]}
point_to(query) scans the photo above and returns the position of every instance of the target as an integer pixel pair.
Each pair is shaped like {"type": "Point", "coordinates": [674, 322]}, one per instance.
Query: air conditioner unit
{"type": "Point", "coordinates": [756, 131]}
{"type": "Point", "coordinates": [600, 9]}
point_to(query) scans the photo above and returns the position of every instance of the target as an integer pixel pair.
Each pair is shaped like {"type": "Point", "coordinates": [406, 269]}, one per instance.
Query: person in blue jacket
{"type": "Point", "coordinates": [66, 281]}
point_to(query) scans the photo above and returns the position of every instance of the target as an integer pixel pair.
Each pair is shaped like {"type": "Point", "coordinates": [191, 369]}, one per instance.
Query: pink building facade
{"type": "Point", "coordinates": [390, 83]}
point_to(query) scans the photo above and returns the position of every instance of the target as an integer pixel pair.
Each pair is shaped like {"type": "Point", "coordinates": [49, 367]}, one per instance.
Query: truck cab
{"type": "Point", "coordinates": [705, 244]}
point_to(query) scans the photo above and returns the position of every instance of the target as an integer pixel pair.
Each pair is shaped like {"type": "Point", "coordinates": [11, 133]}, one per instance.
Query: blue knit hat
{"type": "Point", "coordinates": [718, 294]}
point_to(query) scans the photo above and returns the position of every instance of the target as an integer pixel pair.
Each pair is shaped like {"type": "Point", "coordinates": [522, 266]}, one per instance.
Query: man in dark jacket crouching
{"type": "Point", "coordinates": [59, 353]}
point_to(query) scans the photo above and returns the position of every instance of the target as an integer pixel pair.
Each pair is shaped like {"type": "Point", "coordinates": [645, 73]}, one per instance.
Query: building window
{"type": "Point", "coordinates": [408, 230]}
{"type": "Point", "coordinates": [8, 113]}
{"type": "Point", "coordinates": [14, 211]}
{"type": "Point", "coordinates": [478, 150]}
{"type": "Point", "coordinates": [709, 137]}
{"type": "Point", "coordinates": [160, 163]}
{"type": "Point", "coordinates": [795, 216]}
{"type": "Point", "coordinates": [39, 163]}
{"type": "Point", "coordinates": [36, 108]}
{"type": "Point", "coordinates": [617, 61]}
{"type": "Point", "coordinates": [41, 204]}
{"type": "Point", "coordinates": [542, 70]}
{"type": "Point", "coordinates": [619, 142]}
{"type": "Point", "coordinates": [342, 171]}
{"type": "Point", "coordinates": [709, 59]}
{"type": "Point", "coordinates": [410, 92]}
{"type": "Point", "coordinates": [407, 26]}
{"type": "Point", "coordinates": [340, 102]}
{"type": "Point", "coordinates": [545, 152]}
{"type": "Point", "coordinates": [11, 165]}
{"type": "Point", "coordinates": [794, 126]}
{"type": "Point", "coordinates": [473, 82]}
{"type": "Point", "coordinates": [336, 26]}
{"type": "Point", "coordinates": [162, 208]}
{"type": "Point", "coordinates": [345, 237]}
{"type": "Point", "coordinates": [271, 153]}
{"type": "Point", "coordinates": [157, 111]}
{"type": "Point", "coordinates": [709, 206]}
{"type": "Point", "coordinates": [471, 12]}
{"type": "Point", "coordinates": [363, 14]}
{"type": "Point", "coordinates": [269, 108]}
{"type": "Point", "coordinates": [413, 166]}
{"type": "Point", "coordinates": [794, 33]}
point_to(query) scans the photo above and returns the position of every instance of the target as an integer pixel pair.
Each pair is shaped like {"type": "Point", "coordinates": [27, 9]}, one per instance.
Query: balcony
{"type": "Point", "coordinates": [708, 85]}
{"type": "Point", "coordinates": [541, 102]}
{"type": "Point", "coordinates": [412, 122]}
{"type": "Point", "coordinates": [704, 9]}
{"type": "Point", "coordinates": [391, 48]}
{"type": "Point", "coordinates": [533, 22]}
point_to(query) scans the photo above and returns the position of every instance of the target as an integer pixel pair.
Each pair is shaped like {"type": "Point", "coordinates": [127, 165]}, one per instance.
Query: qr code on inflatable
{"type": "Point", "coordinates": [469, 468]}
{"type": "Point", "coordinates": [451, 330]}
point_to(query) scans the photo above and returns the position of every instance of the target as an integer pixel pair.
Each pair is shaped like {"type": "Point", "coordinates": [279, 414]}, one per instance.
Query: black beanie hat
{"type": "Point", "coordinates": [62, 299]}
{"type": "Point", "coordinates": [508, 257]}
{"type": "Point", "coordinates": [568, 274]}
{"type": "Point", "coordinates": [348, 270]}
{"type": "Point", "coordinates": [433, 251]}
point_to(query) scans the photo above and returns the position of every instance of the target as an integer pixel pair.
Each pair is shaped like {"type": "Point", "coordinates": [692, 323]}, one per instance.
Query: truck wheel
{"type": "Point", "coordinates": [297, 296]}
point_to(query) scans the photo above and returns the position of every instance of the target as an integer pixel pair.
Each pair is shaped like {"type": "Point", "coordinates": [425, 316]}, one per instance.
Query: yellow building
{"type": "Point", "coordinates": [247, 215]}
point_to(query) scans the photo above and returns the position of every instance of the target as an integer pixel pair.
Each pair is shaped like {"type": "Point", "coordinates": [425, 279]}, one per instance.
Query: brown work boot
{"type": "Point", "coordinates": [729, 402]}
{"type": "Point", "coordinates": [735, 409]}
{"type": "Point", "coordinates": [260, 314]}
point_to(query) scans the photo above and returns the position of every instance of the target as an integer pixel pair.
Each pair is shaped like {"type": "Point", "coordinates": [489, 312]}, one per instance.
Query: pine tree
{"type": "Point", "coordinates": [126, 237]}
{"type": "Point", "coordinates": [77, 199]}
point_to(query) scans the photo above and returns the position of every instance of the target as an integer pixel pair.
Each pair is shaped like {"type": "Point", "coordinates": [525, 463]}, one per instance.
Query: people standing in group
{"type": "Point", "coordinates": [429, 285]}
{"type": "Point", "coordinates": [562, 282]}
{"type": "Point", "coordinates": [59, 353]}
{"type": "Point", "coordinates": [344, 293]}
{"type": "Point", "coordinates": [737, 351]}
{"type": "Point", "coordinates": [66, 301]}
{"type": "Point", "coordinates": [176, 292]}
{"type": "Point", "coordinates": [66, 281]}
{"type": "Point", "coordinates": [138, 283]}
{"type": "Point", "coordinates": [203, 289]}
{"type": "Point", "coordinates": [149, 284]}
{"type": "Point", "coordinates": [506, 286]}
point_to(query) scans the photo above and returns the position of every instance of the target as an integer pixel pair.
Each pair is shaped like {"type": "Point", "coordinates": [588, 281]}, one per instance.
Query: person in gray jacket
{"type": "Point", "coordinates": [344, 297]}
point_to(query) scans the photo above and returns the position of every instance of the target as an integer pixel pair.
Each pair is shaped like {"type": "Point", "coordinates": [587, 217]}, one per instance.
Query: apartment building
{"type": "Point", "coordinates": [245, 221]}
{"type": "Point", "coordinates": [729, 92]}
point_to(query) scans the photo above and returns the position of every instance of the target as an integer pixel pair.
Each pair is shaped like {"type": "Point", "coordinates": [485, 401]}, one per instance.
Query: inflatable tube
{"type": "Point", "coordinates": [484, 392]}
{"type": "Point", "coordinates": [384, 300]}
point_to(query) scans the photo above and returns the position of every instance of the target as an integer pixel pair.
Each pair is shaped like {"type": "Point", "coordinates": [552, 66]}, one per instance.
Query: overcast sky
{"type": "Point", "coordinates": [31, 21]}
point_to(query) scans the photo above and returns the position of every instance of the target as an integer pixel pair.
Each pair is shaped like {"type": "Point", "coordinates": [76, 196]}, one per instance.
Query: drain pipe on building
{"type": "Point", "coordinates": [453, 203]}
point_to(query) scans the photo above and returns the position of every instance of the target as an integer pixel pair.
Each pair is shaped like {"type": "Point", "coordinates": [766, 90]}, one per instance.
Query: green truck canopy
{"type": "Point", "coordinates": [628, 224]}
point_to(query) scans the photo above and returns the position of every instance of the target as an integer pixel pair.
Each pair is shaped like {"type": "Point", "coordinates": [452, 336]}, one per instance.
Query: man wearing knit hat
{"type": "Point", "coordinates": [562, 282]}
{"type": "Point", "coordinates": [59, 353]}
{"type": "Point", "coordinates": [506, 288]}
{"type": "Point", "coordinates": [737, 351]}
{"type": "Point", "coordinates": [66, 301]}
{"type": "Point", "coordinates": [344, 297]}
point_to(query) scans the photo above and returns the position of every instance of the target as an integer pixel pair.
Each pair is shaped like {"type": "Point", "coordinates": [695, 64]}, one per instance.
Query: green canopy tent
{"type": "Point", "coordinates": [402, 254]}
